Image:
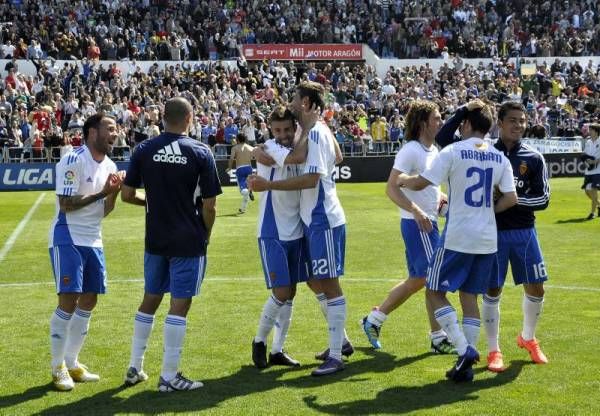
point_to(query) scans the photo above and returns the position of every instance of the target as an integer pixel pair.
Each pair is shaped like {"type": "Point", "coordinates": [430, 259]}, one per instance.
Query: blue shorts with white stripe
{"type": "Point", "coordinates": [327, 251]}
{"type": "Point", "coordinates": [78, 269]}
{"type": "Point", "coordinates": [419, 246]}
{"type": "Point", "coordinates": [451, 270]}
{"type": "Point", "coordinates": [284, 262]}
{"type": "Point", "coordinates": [182, 276]}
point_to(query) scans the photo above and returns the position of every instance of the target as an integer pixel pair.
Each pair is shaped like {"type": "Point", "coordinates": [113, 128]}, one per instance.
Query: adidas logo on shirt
{"type": "Point", "coordinates": [171, 153]}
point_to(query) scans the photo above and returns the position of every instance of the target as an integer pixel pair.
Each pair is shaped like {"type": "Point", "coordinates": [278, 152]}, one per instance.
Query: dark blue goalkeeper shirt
{"type": "Point", "coordinates": [176, 173]}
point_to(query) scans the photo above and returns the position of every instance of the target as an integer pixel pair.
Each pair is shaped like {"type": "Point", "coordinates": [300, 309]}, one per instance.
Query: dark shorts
{"type": "Point", "coordinates": [591, 182]}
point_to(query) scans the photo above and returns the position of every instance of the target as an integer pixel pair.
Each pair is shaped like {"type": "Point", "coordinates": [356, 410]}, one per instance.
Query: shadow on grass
{"type": "Point", "coordinates": [235, 214]}
{"type": "Point", "coordinates": [401, 399]}
{"type": "Point", "coordinates": [33, 393]}
{"type": "Point", "coordinates": [248, 380]}
{"type": "Point", "coordinates": [573, 221]}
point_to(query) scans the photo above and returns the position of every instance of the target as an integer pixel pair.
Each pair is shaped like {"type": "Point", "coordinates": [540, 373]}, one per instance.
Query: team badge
{"type": "Point", "coordinates": [481, 146]}
{"type": "Point", "coordinates": [523, 168]}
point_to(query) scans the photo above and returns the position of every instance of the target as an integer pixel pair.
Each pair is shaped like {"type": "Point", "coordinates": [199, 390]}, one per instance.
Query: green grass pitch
{"type": "Point", "coordinates": [404, 378]}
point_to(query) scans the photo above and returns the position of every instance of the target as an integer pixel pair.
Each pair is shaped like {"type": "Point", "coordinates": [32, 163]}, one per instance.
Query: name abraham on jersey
{"type": "Point", "coordinates": [171, 153]}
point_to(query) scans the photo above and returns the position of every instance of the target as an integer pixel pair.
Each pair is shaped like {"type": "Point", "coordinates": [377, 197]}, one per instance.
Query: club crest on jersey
{"type": "Point", "coordinates": [481, 146]}
{"type": "Point", "coordinates": [523, 168]}
{"type": "Point", "coordinates": [171, 153]}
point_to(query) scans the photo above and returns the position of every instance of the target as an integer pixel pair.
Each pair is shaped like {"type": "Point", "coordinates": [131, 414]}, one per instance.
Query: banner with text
{"type": "Point", "coordinates": [303, 52]}
{"type": "Point", "coordinates": [546, 146]}
{"type": "Point", "coordinates": [41, 176]}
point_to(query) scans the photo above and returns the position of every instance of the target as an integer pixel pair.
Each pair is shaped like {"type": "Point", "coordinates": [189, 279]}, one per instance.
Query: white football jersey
{"type": "Point", "coordinates": [592, 148]}
{"type": "Point", "coordinates": [279, 211]}
{"type": "Point", "coordinates": [413, 159]}
{"type": "Point", "coordinates": [320, 207]}
{"type": "Point", "coordinates": [78, 173]}
{"type": "Point", "coordinates": [472, 167]}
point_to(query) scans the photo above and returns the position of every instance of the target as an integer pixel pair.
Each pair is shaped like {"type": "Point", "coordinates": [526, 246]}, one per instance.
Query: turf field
{"type": "Point", "coordinates": [403, 378]}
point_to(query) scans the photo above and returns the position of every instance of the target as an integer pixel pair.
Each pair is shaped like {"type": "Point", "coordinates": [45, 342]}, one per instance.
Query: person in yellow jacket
{"type": "Point", "coordinates": [379, 133]}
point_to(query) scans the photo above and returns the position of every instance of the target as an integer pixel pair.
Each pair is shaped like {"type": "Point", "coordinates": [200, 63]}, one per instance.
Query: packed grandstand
{"type": "Point", "coordinates": [67, 61]}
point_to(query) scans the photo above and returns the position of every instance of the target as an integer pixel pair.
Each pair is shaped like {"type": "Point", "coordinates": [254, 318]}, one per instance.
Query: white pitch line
{"type": "Point", "coordinates": [15, 234]}
{"type": "Point", "coordinates": [256, 279]}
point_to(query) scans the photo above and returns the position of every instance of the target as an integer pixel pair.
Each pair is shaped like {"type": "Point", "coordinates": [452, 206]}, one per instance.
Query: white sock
{"type": "Point", "coordinates": [336, 319]}
{"type": "Point", "coordinates": [245, 199]}
{"type": "Point", "coordinates": [268, 318]}
{"type": "Point", "coordinates": [174, 333]}
{"type": "Point", "coordinates": [471, 328]}
{"type": "Point", "coordinates": [322, 299]}
{"type": "Point", "coordinates": [59, 330]}
{"type": "Point", "coordinates": [446, 317]}
{"type": "Point", "coordinates": [532, 309]}
{"type": "Point", "coordinates": [80, 324]}
{"type": "Point", "coordinates": [490, 315]}
{"type": "Point", "coordinates": [142, 327]}
{"type": "Point", "coordinates": [282, 326]}
{"type": "Point", "coordinates": [376, 317]}
{"type": "Point", "coordinates": [438, 336]}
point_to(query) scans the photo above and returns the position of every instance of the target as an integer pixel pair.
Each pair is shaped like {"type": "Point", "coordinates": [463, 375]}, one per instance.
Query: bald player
{"type": "Point", "coordinates": [181, 184]}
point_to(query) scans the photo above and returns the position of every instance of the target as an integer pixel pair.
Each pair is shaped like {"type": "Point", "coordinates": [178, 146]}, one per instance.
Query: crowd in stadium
{"type": "Point", "coordinates": [365, 111]}
{"type": "Point", "coordinates": [190, 29]}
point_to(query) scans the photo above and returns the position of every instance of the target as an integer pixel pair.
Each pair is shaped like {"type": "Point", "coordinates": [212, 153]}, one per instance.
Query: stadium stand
{"type": "Point", "coordinates": [190, 29]}
{"type": "Point", "coordinates": [41, 114]}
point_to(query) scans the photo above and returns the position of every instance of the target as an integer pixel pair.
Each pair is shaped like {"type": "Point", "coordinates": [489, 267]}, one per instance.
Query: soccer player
{"type": "Point", "coordinates": [323, 218]}
{"type": "Point", "coordinates": [87, 184]}
{"type": "Point", "coordinates": [467, 252]}
{"type": "Point", "coordinates": [517, 238]}
{"type": "Point", "coordinates": [241, 154]}
{"type": "Point", "coordinates": [419, 212]}
{"type": "Point", "coordinates": [591, 181]}
{"type": "Point", "coordinates": [181, 185]}
{"type": "Point", "coordinates": [280, 236]}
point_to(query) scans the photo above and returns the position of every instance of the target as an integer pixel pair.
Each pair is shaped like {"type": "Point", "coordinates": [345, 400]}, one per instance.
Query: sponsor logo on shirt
{"type": "Point", "coordinates": [69, 176]}
{"type": "Point", "coordinates": [171, 153]}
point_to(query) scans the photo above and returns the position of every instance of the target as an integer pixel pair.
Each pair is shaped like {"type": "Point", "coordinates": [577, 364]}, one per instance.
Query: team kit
{"type": "Point", "coordinates": [493, 191]}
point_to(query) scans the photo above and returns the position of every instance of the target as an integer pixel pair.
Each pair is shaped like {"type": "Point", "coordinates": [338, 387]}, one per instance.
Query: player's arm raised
{"type": "Point", "coordinates": [306, 121]}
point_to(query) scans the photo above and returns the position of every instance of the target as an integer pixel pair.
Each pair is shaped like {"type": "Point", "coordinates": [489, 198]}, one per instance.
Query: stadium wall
{"type": "Point", "coordinates": [383, 65]}
{"type": "Point", "coordinates": [41, 176]}
{"type": "Point", "coordinates": [126, 66]}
